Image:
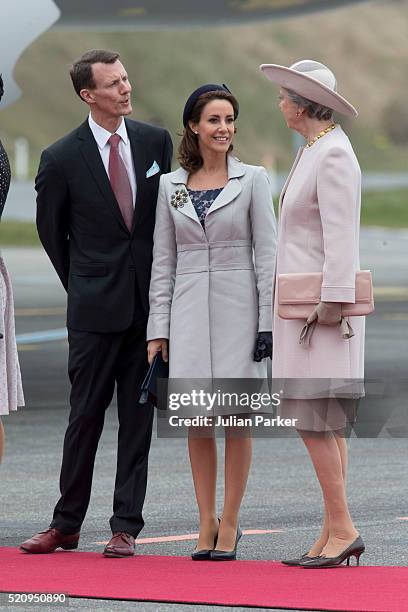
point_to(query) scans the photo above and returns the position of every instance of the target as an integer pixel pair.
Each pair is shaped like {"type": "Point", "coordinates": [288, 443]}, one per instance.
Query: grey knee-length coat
{"type": "Point", "coordinates": [211, 291]}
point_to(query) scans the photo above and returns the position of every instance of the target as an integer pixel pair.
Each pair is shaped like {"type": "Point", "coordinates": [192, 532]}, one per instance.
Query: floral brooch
{"type": "Point", "coordinates": [179, 198]}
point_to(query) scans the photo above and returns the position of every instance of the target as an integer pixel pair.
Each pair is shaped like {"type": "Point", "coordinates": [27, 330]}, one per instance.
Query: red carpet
{"type": "Point", "coordinates": [178, 579]}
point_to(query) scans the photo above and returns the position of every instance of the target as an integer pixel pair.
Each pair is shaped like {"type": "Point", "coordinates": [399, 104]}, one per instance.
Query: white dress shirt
{"type": "Point", "coordinates": [102, 137]}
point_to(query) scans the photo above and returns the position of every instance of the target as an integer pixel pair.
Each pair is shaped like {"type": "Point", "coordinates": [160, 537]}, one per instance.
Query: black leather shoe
{"type": "Point", "coordinates": [205, 553]}
{"type": "Point", "coordinates": [201, 555]}
{"type": "Point", "coordinates": [227, 555]}
{"type": "Point", "coordinates": [355, 549]}
{"type": "Point", "coordinates": [298, 560]}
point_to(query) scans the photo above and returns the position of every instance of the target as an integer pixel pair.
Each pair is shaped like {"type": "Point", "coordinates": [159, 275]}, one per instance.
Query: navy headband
{"type": "Point", "coordinates": [196, 94]}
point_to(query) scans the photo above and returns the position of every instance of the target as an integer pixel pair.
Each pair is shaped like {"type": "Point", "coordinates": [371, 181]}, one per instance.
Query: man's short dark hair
{"type": "Point", "coordinates": [81, 70]}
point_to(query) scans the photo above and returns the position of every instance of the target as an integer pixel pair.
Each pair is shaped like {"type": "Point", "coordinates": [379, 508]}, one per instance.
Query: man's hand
{"type": "Point", "coordinates": [155, 346]}
{"type": "Point", "coordinates": [326, 313]}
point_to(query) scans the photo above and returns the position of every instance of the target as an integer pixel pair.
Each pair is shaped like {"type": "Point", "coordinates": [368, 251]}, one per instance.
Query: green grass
{"type": "Point", "coordinates": [386, 209]}
{"type": "Point", "coordinates": [18, 233]}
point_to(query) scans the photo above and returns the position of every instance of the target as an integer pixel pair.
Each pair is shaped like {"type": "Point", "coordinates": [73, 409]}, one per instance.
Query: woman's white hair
{"type": "Point", "coordinates": [314, 110]}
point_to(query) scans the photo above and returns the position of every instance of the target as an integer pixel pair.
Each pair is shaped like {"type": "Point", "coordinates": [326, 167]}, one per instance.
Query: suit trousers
{"type": "Point", "coordinates": [96, 362]}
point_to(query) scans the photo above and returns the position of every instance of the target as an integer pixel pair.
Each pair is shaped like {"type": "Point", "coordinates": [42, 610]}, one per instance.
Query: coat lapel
{"type": "Point", "coordinates": [90, 152]}
{"type": "Point", "coordinates": [179, 179]}
{"type": "Point", "coordinates": [233, 188]}
{"type": "Point", "coordinates": [295, 163]}
{"type": "Point", "coordinates": [230, 191]}
{"type": "Point", "coordinates": [139, 154]}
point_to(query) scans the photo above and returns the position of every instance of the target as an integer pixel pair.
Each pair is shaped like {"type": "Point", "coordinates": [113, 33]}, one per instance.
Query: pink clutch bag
{"type": "Point", "coordinates": [298, 294]}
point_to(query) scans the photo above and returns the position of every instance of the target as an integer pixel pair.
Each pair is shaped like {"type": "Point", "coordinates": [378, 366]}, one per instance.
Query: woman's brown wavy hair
{"type": "Point", "coordinates": [189, 154]}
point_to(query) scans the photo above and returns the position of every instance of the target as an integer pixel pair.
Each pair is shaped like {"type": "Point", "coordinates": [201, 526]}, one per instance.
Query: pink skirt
{"type": "Point", "coordinates": [11, 389]}
{"type": "Point", "coordinates": [327, 414]}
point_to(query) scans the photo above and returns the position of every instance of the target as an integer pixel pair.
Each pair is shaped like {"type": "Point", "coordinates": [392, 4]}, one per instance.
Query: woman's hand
{"type": "Point", "coordinates": [263, 346]}
{"type": "Point", "coordinates": [326, 313]}
{"type": "Point", "coordinates": [155, 346]}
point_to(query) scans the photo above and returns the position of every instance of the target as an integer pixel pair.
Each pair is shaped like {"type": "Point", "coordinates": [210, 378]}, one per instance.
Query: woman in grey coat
{"type": "Point", "coordinates": [211, 291]}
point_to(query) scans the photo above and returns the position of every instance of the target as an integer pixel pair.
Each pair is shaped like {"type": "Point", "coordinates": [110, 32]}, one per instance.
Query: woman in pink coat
{"type": "Point", "coordinates": [319, 232]}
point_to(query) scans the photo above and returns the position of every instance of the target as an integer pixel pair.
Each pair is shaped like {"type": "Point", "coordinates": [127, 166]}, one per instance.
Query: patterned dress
{"type": "Point", "coordinates": [11, 391]}
{"type": "Point", "coordinates": [202, 201]}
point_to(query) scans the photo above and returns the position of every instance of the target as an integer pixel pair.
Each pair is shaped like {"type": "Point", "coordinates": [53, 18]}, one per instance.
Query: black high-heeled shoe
{"type": "Point", "coordinates": [205, 553]}
{"type": "Point", "coordinates": [297, 560]}
{"type": "Point", "coordinates": [355, 549]}
{"type": "Point", "coordinates": [227, 555]}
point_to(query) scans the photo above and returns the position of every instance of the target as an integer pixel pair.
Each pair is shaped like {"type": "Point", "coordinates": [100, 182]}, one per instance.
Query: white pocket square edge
{"type": "Point", "coordinates": [154, 169]}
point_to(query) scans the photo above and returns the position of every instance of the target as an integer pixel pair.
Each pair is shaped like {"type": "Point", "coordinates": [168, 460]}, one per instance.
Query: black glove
{"type": "Point", "coordinates": [263, 346]}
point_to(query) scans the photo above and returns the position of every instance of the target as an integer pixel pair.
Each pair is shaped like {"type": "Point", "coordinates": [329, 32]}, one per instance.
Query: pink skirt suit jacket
{"type": "Point", "coordinates": [319, 216]}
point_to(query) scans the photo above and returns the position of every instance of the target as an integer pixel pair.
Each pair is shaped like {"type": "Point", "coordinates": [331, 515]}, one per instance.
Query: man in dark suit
{"type": "Point", "coordinates": [96, 200]}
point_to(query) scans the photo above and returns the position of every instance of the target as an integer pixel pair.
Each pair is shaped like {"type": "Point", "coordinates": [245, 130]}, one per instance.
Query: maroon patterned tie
{"type": "Point", "coordinates": [119, 179]}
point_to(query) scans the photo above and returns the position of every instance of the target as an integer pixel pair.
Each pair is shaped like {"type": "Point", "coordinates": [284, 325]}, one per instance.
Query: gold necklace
{"type": "Point", "coordinates": [320, 135]}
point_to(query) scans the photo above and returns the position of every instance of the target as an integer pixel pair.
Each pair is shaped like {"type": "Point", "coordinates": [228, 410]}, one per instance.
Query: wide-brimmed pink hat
{"type": "Point", "coordinates": [313, 81]}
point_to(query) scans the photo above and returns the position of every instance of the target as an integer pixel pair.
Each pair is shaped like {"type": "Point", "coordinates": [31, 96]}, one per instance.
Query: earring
{"type": "Point", "coordinates": [196, 133]}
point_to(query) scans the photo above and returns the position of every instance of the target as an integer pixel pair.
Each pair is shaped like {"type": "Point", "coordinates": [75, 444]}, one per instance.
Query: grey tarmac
{"type": "Point", "coordinates": [282, 493]}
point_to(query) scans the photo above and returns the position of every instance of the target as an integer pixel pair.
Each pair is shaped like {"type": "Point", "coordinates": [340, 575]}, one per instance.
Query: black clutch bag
{"type": "Point", "coordinates": [158, 369]}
